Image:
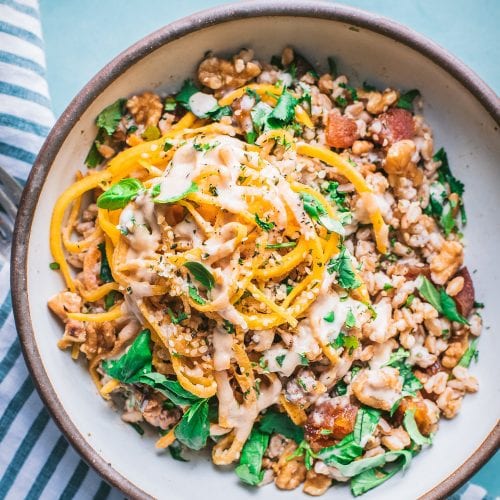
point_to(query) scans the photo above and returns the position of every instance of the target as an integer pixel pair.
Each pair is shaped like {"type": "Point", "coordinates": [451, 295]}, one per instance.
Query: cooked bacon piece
{"type": "Point", "coordinates": [341, 132]}
{"type": "Point", "coordinates": [465, 298]}
{"type": "Point", "coordinates": [393, 126]}
{"type": "Point", "coordinates": [330, 421]}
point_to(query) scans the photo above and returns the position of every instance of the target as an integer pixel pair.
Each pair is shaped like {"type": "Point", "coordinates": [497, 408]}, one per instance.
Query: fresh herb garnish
{"type": "Point", "coordinates": [350, 321]}
{"type": "Point", "coordinates": [470, 354]}
{"type": "Point", "coordinates": [265, 225]}
{"type": "Point", "coordinates": [440, 300]}
{"type": "Point", "coordinates": [249, 469]}
{"type": "Point", "coordinates": [284, 112]}
{"type": "Point", "coordinates": [193, 293]}
{"type": "Point", "coordinates": [175, 450]}
{"type": "Point", "coordinates": [304, 450]}
{"type": "Point", "coordinates": [274, 421]}
{"type": "Point", "coordinates": [201, 274]}
{"type": "Point", "coordinates": [228, 326]}
{"type": "Point", "coordinates": [279, 359]}
{"type": "Point", "coordinates": [332, 66]}
{"type": "Point", "coordinates": [349, 342]}
{"type": "Point", "coordinates": [330, 317]}
{"type": "Point", "coordinates": [194, 427]}
{"type": "Point", "coordinates": [185, 95]}
{"type": "Point", "coordinates": [318, 213]}
{"type": "Point", "coordinates": [120, 194]}
{"type": "Point", "coordinates": [406, 100]}
{"type": "Point", "coordinates": [342, 265]}
{"type": "Point", "coordinates": [109, 118]}
{"type": "Point", "coordinates": [352, 91]}
{"type": "Point", "coordinates": [176, 319]}
{"type": "Point", "coordinates": [54, 266]}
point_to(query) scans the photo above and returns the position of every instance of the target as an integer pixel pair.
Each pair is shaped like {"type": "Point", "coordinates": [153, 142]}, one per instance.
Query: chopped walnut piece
{"type": "Point", "coordinates": [449, 402]}
{"type": "Point", "coordinates": [316, 484]}
{"type": "Point", "coordinates": [454, 352]}
{"type": "Point", "coordinates": [221, 74]}
{"type": "Point", "coordinates": [290, 473]}
{"type": "Point", "coordinates": [446, 263]}
{"type": "Point", "coordinates": [146, 108]}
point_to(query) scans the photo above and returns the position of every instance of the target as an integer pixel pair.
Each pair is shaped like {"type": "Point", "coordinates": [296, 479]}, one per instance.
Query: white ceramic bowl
{"type": "Point", "coordinates": [464, 114]}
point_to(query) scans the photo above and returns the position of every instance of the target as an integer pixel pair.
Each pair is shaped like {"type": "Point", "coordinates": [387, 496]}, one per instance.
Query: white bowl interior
{"type": "Point", "coordinates": [461, 125]}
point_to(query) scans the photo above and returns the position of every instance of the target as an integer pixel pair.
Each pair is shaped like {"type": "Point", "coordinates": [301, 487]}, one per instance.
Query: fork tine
{"type": "Point", "coordinates": [7, 204]}
{"type": "Point", "coordinates": [13, 188]}
{"type": "Point", "coordinates": [6, 228]}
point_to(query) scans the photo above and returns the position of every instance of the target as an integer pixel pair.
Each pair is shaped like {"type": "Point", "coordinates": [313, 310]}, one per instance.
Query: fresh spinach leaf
{"type": "Point", "coordinates": [171, 389]}
{"type": "Point", "coordinates": [274, 421]}
{"type": "Point", "coordinates": [201, 274]}
{"type": "Point", "coordinates": [344, 452]}
{"type": "Point", "coordinates": [134, 363]}
{"type": "Point", "coordinates": [194, 427]}
{"type": "Point", "coordinates": [120, 194]}
{"type": "Point", "coordinates": [249, 469]}
{"type": "Point", "coordinates": [342, 265]}
{"type": "Point", "coordinates": [450, 308]}
{"type": "Point", "coordinates": [188, 89]}
{"type": "Point", "coordinates": [304, 450]}
{"type": "Point", "coordinates": [430, 293]}
{"type": "Point", "coordinates": [412, 429]}
{"type": "Point", "coordinates": [366, 422]}
{"type": "Point", "coordinates": [374, 477]}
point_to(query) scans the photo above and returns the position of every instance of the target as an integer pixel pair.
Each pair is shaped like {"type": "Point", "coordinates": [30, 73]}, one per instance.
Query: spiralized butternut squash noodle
{"type": "Point", "coordinates": [268, 263]}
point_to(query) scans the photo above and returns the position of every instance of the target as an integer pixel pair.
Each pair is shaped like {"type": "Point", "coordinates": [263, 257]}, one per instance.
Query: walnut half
{"type": "Point", "coordinates": [221, 74]}
{"type": "Point", "coordinates": [145, 108]}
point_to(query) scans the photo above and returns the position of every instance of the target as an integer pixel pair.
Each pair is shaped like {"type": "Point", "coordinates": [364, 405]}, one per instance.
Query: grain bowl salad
{"type": "Point", "coordinates": [269, 264]}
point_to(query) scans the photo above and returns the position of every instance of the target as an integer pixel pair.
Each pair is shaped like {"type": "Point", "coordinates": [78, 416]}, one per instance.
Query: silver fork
{"type": "Point", "coordinates": [10, 195]}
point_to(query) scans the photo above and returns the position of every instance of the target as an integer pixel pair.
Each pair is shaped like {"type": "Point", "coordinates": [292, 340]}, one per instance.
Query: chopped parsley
{"type": "Point", "coordinates": [342, 265]}
{"type": "Point", "coordinates": [330, 317]}
{"type": "Point", "coordinates": [406, 100]}
{"type": "Point", "coordinates": [265, 225]}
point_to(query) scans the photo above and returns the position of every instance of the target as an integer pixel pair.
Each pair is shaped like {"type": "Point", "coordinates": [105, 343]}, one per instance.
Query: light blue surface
{"type": "Point", "coordinates": [81, 37]}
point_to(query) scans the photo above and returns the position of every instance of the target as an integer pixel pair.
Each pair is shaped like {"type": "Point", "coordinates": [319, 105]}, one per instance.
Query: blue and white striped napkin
{"type": "Point", "coordinates": [35, 459]}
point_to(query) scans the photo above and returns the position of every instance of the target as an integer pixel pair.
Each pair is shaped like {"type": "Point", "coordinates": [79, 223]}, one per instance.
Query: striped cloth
{"type": "Point", "coordinates": [35, 459]}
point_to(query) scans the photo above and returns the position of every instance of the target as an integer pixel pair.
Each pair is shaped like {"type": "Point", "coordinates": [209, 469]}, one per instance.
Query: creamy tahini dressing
{"type": "Point", "coordinates": [222, 343]}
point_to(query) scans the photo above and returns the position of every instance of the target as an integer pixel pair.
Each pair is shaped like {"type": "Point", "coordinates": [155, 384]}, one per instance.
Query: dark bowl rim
{"type": "Point", "coordinates": [211, 17]}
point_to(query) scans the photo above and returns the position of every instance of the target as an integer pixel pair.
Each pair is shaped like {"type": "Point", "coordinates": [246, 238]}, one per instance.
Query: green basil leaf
{"type": "Point", "coordinates": [284, 112]}
{"type": "Point", "coordinates": [274, 421]}
{"type": "Point", "coordinates": [134, 363]}
{"type": "Point", "coordinates": [109, 118]}
{"type": "Point", "coordinates": [406, 100]}
{"type": "Point", "coordinates": [412, 429]}
{"type": "Point", "coordinates": [342, 265]}
{"type": "Point", "coordinates": [201, 273]}
{"type": "Point", "coordinates": [366, 422]}
{"type": "Point", "coordinates": [193, 293]}
{"type": "Point", "coordinates": [120, 194]}
{"type": "Point", "coordinates": [449, 308]}
{"type": "Point", "coordinates": [470, 354]}
{"type": "Point", "coordinates": [194, 427]}
{"type": "Point", "coordinates": [249, 469]}
{"type": "Point", "coordinates": [265, 225]}
{"type": "Point", "coordinates": [105, 271]}
{"type": "Point", "coordinates": [430, 293]}
{"type": "Point", "coordinates": [372, 478]}
{"type": "Point", "coordinates": [156, 192]}
{"type": "Point", "coordinates": [344, 452]}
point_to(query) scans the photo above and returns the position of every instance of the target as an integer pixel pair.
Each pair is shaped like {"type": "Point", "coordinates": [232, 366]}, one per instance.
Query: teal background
{"type": "Point", "coordinates": [82, 36]}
